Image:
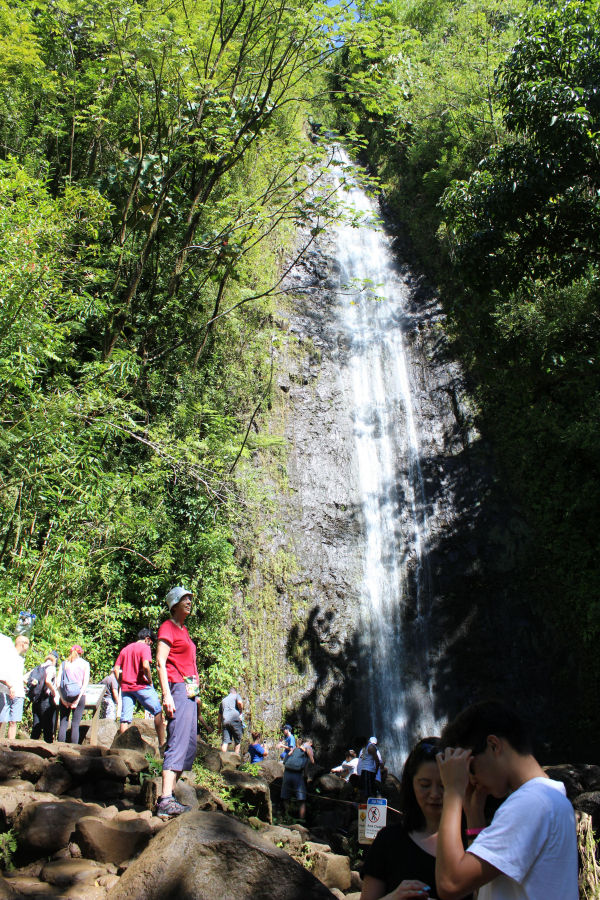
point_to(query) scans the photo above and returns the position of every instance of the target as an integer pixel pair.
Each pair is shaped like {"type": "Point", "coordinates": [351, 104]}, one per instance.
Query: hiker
{"type": "Point", "coordinates": [110, 700]}
{"type": "Point", "coordinates": [529, 850]}
{"type": "Point", "coordinates": [401, 860]}
{"type": "Point", "coordinates": [293, 785]}
{"type": "Point", "coordinates": [256, 750]}
{"type": "Point", "coordinates": [134, 675]}
{"type": "Point", "coordinates": [72, 680]}
{"type": "Point", "coordinates": [348, 766]}
{"type": "Point", "coordinates": [287, 744]}
{"type": "Point", "coordinates": [370, 762]}
{"type": "Point", "coordinates": [12, 675]}
{"type": "Point", "coordinates": [230, 720]}
{"type": "Point", "coordinates": [44, 698]}
{"type": "Point", "coordinates": [179, 683]}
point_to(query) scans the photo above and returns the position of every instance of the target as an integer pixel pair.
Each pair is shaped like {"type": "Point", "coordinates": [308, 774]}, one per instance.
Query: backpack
{"type": "Point", "coordinates": [69, 689]}
{"type": "Point", "coordinates": [36, 683]}
{"type": "Point", "coordinates": [296, 761]}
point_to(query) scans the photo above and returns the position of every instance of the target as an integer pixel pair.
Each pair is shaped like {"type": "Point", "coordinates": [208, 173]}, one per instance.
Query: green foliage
{"type": "Point", "coordinates": [153, 164]}
{"type": "Point", "coordinates": [8, 846]}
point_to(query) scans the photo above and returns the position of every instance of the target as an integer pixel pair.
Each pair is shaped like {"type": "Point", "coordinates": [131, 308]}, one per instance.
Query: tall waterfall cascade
{"type": "Point", "coordinates": [395, 584]}
{"type": "Point", "coordinates": [369, 586]}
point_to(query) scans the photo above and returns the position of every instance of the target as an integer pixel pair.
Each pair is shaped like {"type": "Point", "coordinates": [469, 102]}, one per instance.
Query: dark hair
{"type": "Point", "coordinates": [146, 633]}
{"type": "Point", "coordinates": [471, 728]}
{"type": "Point", "coordinates": [255, 735]}
{"type": "Point", "coordinates": [424, 751]}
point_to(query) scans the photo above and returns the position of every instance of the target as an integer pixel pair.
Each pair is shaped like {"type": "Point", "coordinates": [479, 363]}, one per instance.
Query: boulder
{"type": "Point", "coordinates": [31, 887]}
{"type": "Point", "coordinates": [333, 870]}
{"type": "Point", "coordinates": [209, 756]}
{"type": "Point", "coordinates": [208, 801]}
{"type": "Point", "coordinates": [20, 764]}
{"type": "Point", "coordinates": [135, 760]}
{"type": "Point", "coordinates": [95, 767]}
{"type": "Point", "coordinates": [570, 777]}
{"type": "Point", "coordinates": [64, 872]}
{"type": "Point", "coordinates": [331, 785]}
{"type": "Point", "coordinates": [229, 762]}
{"type": "Point", "coordinates": [107, 731]}
{"type": "Point", "coordinates": [277, 835]}
{"type": "Point", "coordinates": [18, 784]}
{"type": "Point", "coordinates": [252, 791]}
{"type": "Point", "coordinates": [203, 856]}
{"type": "Point", "coordinates": [272, 769]}
{"type": "Point", "coordinates": [136, 737]}
{"type": "Point", "coordinates": [55, 779]}
{"type": "Point", "coordinates": [40, 748]}
{"type": "Point", "coordinates": [111, 840]}
{"type": "Point", "coordinates": [150, 792]}
{"type": "Point", "coordinates": [186, 794]}
{"type": "Point", "coordinates": [589, 802]}
{"type": "Point", "coordinates": [6, 891]}
{"type": "Point", "coordinates": [46, 826]}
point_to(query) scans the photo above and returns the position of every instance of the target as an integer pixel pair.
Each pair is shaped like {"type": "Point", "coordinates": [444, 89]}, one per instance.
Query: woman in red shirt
{"type": "Point", "coordinates": [178, 676]}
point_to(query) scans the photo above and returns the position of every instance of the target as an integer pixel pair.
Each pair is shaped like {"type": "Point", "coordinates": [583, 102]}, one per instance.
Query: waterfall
{"type": "Point", "coordinates": [395, 588]}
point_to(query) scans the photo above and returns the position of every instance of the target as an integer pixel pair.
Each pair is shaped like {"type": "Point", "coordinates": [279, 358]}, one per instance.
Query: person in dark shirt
{"type": "Point", "coordinates": [401, 861]}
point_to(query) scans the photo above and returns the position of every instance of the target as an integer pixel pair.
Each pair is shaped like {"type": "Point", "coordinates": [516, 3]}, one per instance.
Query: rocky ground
{"type": "Point", "coordinates": [82, 821]}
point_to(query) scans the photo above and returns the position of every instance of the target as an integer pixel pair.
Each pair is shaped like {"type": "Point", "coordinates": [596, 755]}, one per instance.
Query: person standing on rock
{"type": "Point", "coordinates": [178, 676]}
{"type": "Point", "coordinates": [45, 708]}
{"type": "Point", "coordinates": [293, 785]}
{"type": "Point", "coordinates": [230, 720]}
{"type": "Point", "coordinates": [73, 679]}
{"type": "Point", "coordinates": [12, 675]}
{"type": "Point", "coordinates": [132, 670]}
{"type": "Point", "coordinates": [287, 744]}
{"type": "Point", "coordinates": [370, 762]}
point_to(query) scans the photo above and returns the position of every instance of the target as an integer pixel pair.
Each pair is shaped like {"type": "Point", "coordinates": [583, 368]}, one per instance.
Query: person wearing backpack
{"type": "Point", "coordinates": [43, 693]}
{"type": "Point", "coordinates": [293, 785]}
{"type": "Point", "coordinates": [73, 679]}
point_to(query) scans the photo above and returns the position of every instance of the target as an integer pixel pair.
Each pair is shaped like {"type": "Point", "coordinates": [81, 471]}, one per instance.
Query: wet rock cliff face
{"type": "Point", "coordinates": [305, 639]}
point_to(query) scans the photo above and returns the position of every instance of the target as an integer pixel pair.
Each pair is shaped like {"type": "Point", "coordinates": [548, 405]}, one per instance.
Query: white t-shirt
{"type": "Point", "coordinates": [532, 841]}
{"type": "Point", "coordinates": [12, 666]}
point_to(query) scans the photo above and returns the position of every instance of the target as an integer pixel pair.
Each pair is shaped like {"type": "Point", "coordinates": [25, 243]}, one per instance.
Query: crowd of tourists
{"type": "Point", "coordinates": [445, 844]}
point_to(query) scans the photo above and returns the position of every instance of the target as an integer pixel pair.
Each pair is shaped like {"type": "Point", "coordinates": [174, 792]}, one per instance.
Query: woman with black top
{"type": "Point", "coordinates": [400, 863]}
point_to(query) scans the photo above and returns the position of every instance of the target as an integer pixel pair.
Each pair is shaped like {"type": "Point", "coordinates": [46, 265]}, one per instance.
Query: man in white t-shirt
{"type": "Point", "coordinates": [529, 851]}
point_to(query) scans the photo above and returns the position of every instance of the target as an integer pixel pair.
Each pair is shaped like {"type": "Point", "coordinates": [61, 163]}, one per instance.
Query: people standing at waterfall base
{"type": "Point", "coordinates": [370, 762]}
{"type": "Point", "coordinates": [179, 683]}
{"type": "Point", "coordinates": [348, 767]}
{"type": "Point", "coordinates": [293, 786]}
{"type": "Point", "coordinates": [230, 720]}
{"type": "Point", "coordinates": [529, 850]}
{"type": "Point", "coordinates": [133, 672]}
{"type": "Point", "coordinates": [401, 861]}
{"type": "Point", "coordinates": [73, 679]}
{"type": "Point", "coordinates": [287, 744]}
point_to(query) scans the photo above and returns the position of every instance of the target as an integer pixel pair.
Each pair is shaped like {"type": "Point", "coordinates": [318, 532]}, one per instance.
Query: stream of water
{"type": "Point", "coordinates": [395, 584]}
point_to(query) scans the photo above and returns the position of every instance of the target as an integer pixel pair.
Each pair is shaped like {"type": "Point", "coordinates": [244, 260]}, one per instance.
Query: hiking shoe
{"type": "Point", "coordinates": [168, 807]}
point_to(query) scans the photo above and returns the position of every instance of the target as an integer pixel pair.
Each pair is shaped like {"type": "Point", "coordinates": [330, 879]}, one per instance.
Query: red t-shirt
{"type": "Point", "coordinates": [131, 659]}
{"type": "Point", "coordinates": [181, 661]}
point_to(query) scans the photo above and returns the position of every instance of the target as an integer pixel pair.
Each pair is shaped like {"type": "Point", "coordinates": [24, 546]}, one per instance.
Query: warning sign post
{"type": "Point", "coordinates": [376, 816]}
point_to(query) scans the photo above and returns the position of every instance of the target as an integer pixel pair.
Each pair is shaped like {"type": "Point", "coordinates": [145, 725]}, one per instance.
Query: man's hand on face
{"type": "Point", "coordinates": [454, 766]}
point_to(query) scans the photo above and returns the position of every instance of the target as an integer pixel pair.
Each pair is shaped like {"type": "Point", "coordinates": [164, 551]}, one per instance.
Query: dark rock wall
{"type": "Point", "coordinates": [303, 635]}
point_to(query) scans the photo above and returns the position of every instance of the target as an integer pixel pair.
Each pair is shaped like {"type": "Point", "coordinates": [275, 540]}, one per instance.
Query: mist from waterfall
{"type": "Point", "coordinates": [395, 589]}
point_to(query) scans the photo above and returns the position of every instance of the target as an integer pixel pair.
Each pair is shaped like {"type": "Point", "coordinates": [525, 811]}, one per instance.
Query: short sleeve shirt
{"type": "Point", "coordinates": [229, 708]}
{"type": "Point", "coordinates": [181, 661]}
{"type": "Point", "coordinates": [131, 662]}
{"type": "Point", "coordinates": [532, 841]}
{"type": "Point", "coordinates": [394, 857]}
